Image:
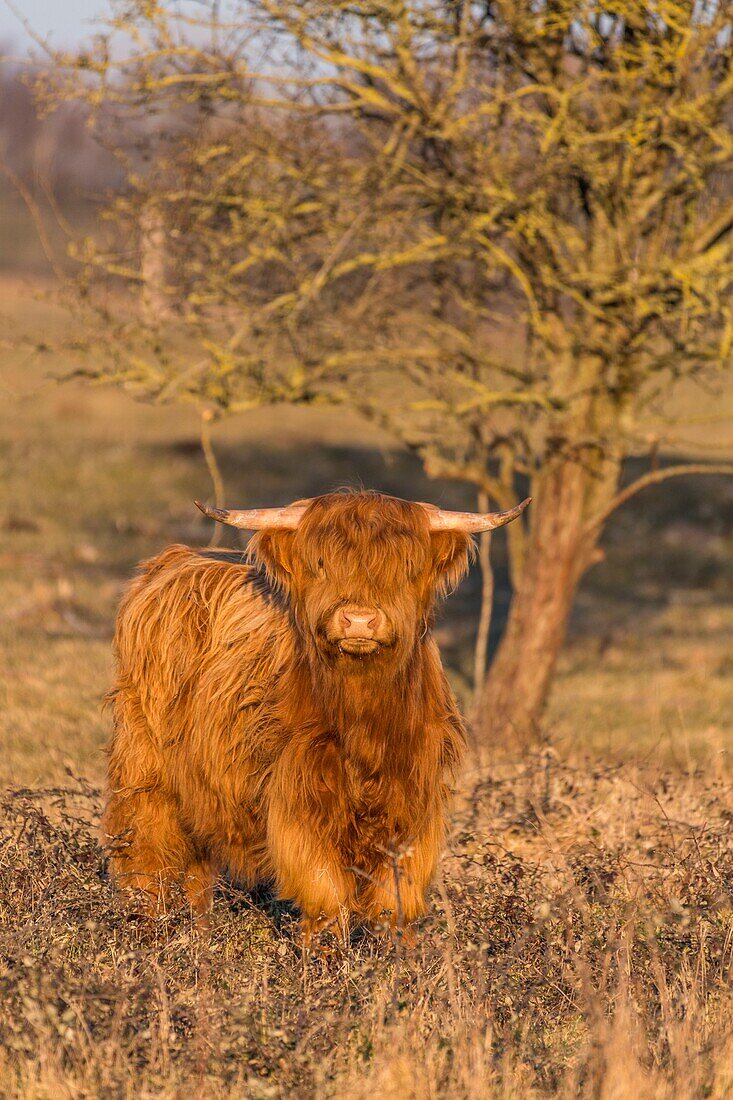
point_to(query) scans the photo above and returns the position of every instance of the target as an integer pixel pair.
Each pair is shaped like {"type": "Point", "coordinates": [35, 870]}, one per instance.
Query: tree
{"type": "Point", "coordinates": [505, 230]}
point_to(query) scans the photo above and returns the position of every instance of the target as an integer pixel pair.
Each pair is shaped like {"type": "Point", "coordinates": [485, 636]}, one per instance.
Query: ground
{"type": "Point", "coordinates": [591, 873]}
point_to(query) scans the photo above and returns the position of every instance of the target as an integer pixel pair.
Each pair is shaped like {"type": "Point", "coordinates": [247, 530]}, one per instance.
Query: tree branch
{"type": "Point", "coordinates": [437, 467]}
{"type": "Point", "coordinates": [653, 478]}
{"type": "Point", "coordinates": [37, 216]}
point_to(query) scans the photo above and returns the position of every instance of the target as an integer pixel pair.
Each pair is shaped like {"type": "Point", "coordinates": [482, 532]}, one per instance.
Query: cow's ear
{"type": "Point", "coordinates": [452, 552]}
{"type": "Point", "coordinates": [271, 550]}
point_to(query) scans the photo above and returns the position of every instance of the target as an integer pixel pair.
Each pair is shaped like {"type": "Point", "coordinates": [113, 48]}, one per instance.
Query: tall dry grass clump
{"type": "Point", "coordinates": [579, 944]}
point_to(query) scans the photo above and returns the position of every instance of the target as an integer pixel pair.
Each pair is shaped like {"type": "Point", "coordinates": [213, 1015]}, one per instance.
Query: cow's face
{"type": "Point", "coordinates": [362, 572]}
{"type": "Point", "coordinates": [362, 569]}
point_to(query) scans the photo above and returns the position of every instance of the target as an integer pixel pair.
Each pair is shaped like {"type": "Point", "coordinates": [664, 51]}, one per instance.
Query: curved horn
{"type": "Point", "coordinates": [253, 519]}
{"type": "Point", "coordinates": [472, 522]}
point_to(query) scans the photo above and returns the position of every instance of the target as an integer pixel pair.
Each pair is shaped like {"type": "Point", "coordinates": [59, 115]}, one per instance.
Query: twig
{"type": "Point", "coordinates": [35, 212]}
{"type": "Point", "coordinates": [487, 603]}
{"type": "Point", "coordinates": [207, 416]}
{"type": "Point", "coordinates": [399, 929]}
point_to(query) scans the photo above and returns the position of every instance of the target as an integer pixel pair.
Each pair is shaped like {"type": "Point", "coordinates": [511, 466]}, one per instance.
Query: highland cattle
{"type": "Point", "coordinates": [281, 715]}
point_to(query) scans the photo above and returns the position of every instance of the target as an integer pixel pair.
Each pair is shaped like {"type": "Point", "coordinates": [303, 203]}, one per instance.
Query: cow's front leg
{"type": "Point", "coordinates": [308, 872]}
{"type": "Point", "coordinates": [396, 892]}
{"type": "Point", "coordinates": [305, 807]}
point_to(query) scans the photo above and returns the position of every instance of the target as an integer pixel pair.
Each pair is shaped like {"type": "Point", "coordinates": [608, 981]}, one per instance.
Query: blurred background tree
{"type": "Point", "coordinates": [502, 230]}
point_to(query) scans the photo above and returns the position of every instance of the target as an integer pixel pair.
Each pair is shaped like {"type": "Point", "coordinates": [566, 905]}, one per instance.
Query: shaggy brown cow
{"type": "Point", "coordinates": [284, 714]}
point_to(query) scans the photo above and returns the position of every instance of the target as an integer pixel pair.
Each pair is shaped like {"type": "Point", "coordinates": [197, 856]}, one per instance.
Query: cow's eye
{"type": "Point", "coordinates": [320, 569]}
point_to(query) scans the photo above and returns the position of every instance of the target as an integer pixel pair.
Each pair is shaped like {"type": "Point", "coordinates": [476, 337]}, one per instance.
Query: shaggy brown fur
{"type": "Point", "coordinates": [248, 739]}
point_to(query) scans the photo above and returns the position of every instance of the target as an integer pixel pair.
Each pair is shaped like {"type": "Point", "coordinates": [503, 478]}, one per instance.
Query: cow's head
{"type": "Point", "coordinates": [362, 570]}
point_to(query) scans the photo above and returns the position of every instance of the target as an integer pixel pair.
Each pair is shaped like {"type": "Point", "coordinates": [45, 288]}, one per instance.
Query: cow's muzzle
{"type": "Point", "coordinates": [359, 631]}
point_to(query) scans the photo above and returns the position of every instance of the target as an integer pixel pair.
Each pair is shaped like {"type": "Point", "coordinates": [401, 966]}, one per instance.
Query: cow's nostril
{"type": "Point", "coordinates": [360, 621]}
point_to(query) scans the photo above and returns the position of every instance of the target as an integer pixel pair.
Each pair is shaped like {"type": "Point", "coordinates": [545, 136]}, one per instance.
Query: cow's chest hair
{"type": "Point", "coordinates": [376, 818]}
{"type": "Point", "coordinates": [380, 802]}
{"type": "Point", "coordinates": [367, 764]}
{"type": "Point", "coordinates": [368, 795]}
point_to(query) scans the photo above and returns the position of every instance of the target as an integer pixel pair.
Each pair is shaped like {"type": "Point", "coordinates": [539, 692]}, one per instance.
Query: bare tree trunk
{"type": "Point", "coordinates": [558, 553]}
{"type": "Point", "coordinates": [152, 263]}
{"type": "Point", "coordinates": [572, 503]}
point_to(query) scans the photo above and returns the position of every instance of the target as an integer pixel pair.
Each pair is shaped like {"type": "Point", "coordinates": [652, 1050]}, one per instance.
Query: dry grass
{"type": "Point", "coordinates": [579, 942]}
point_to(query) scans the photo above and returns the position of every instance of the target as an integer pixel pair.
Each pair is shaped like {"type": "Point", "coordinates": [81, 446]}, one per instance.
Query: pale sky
{"type": "Point", "coordinates": [66, 21]}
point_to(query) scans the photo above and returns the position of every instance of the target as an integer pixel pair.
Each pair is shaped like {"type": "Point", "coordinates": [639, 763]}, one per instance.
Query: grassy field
{"type": "Point", "coordinates": [580, 934]}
